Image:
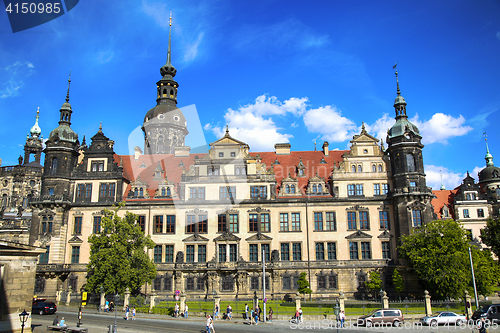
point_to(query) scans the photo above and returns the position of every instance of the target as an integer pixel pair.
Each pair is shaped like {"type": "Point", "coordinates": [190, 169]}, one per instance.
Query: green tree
{"type": "Point", "coordinates": [118, 254]}
{"type": "Point", "coordinates": [303, 284]}
{"type": "Point", "coordinates": [397, 280]}
{"type": "Point", "coordinates": [438, 253]}
{"type": "Point", "coordinates": [490, 235]}
{"type": "Point", "coordinates": [375, 283]}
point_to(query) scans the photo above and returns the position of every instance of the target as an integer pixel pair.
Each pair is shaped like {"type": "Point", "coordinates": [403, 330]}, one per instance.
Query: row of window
{"type": "Point", "coordinates": [106, 191]}
{"type": "Point", "coordinates": [359, 168]}
{"type": "Point", "coordinates": [289, 252]}
{"type": "Point", "coordinates": [480, 213]}
{"type": "Point", "coordinates": [357, 189]}
{"type": "Point", "coordinates": [257, 222]}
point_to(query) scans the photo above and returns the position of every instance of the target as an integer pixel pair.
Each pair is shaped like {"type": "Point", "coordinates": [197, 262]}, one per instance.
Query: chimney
{"type": "Point", "coordinates": [325, 148]}
{"type": "Point", "coordinates": [282, 148]}
{"type": "Point", "coordinates": [137, 152]}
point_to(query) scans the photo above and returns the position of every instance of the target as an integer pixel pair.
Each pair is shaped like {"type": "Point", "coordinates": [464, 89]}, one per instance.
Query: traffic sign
{"type": "Point", "coordinates": [176, 297]}
{"type": "Point", "coordinates": [177, 292]}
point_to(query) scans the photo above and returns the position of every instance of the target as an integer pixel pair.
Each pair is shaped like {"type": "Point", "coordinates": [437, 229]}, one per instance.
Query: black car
{"type": "Point", "coordinates": [43, 307]}
{"type": "Point", "coordinates": [489, 312]}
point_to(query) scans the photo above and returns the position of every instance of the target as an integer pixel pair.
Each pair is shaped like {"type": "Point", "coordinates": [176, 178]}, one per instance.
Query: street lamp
{"type": "Point", "coordinates": [336, 311]}
{"type": "Point", "coordinates": [473, 279]}
{"type": "Point", "coordinates": [382, 297]}
{"type": "Point", "coordinates": [23, 317]}
{"type": "Point", "coordinates": [116, 306]}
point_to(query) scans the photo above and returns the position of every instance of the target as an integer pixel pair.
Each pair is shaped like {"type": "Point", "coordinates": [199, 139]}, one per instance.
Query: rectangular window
{"type": "Point", "coordinates": [233, 252]}
{"type": "Point", "coordinates": [202, 253]}
{"type": "Point", "coordinates": [466, 213]}
{"type": "Point", "coordinates": [189, 253]}
{"type": "Point", "coordinates": [330, 221]}
{"type": "Point", "coordinates": [111, 190]}
{"type": "Point", "coordinates": [318, 221]}
{"type": "Point", "coordinates": [332, 251]}
{"type": "Point", "coordinates": [267, 252]}
{"type": "Point", "coordinates": [226, 192]}
{"type": "Point", "coordinates": [353, 250]}
{"type": "Point", "coordinates": [376, 189]}
{"type": "Point", "coordinates": [80, 190]}
{"type": "Point", "coordinates": [332, 282]}
{"type": "Point", "coordinates": [285, 251]}
{"type": "Point", "coordinates": [385, 188]}
{"type": "Point", "coordinates": [351, 221]}
{"type": "Point", "coordinates": [265, 223]}
{"type": "Point", "coordinates": [88, 191]}
{"type": "Point", "coordinates": [103, 190]}
{"type": "Point", "coordinates": [480, 212]}
{"type": "Point", "coordinates": [365, 250]}
{"type": "Point", "coordinates": [167, 283]}
{"type": "Point", "coordinates": [384, 219]}
{"type": "Point", "coordinates": [44, 257]}
{"type": "Point", "coordinates": [363, 221]}
{"type": "Point", "coordinates": [254, 283]}
{"type": "Point", "coordinates": [386, 250]}
{"type": "Point", "coordinates": [157, 283]}
{"type": "Point", "coordinates": [189, 284]}
{"type": "Point", "coordinates": [51, 191]}
{"type": "Point", "coordinates": [350, 190]}
{"type": "Point", "coordinates": [141, 220]}
{"type": "Point", "coordinates": [169, 253]}
{"type": "Point", "coordinates": [75, 254]}
{"type": "Point", "coordinates": [97, 224]}
{"type": "Point", "coordinates": [320, 251]}
{"type": "Point", "coordinates": [283, 221]}
{"type": "Point", "coordinates": [359, 189]}
{"type": "Point", "coordinates": [287, 285]}
{"type": "Point", "coordinates": [233, 223]}
{"type": "Point", "coordinates": [221, 222]}
{"type": "Point", "coordinates": [190, 224]}
{"type": "Point", "coordinates": [258, 192]}
{"type": "Point", "coordinates": [254, 252]}
{"type": "Point", "coordinates": [417, 218]}
{"type": "Point", "coordinates": [297, 251]}
{"type": "Point", "coordinates": [222, 253]}
{"type": "Point", "coordinates": [200, 283]}
{"type": "Point", "coordinates": [157, 254]}
{"type": "Point", "coordinates": [158, 224]}
{"type": "Point", "coordinates": [78, 225]}
{"type": "Point", "coordinates": [252, 220]}
{"type": "Point", "coordinates": [295, 221]}
{"type": "Point", "coordinates": [202, 224]}
{"type": "Point", "coordinates": [197, 193]}
{"type": "Point", "coordinates": [170, 227]}
{"type": "Point", "coordinates": [321, 282]}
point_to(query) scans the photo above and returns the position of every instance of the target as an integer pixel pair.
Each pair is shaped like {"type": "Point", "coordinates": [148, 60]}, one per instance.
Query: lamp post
{"type": "Point", "coordinates": [116, 306]}
{"type": "Point", "coordinates": [336, 311]}
{"type": "Point", "coordinates": [23, 317]}
{"type": "Point", "coordinates": [382, 297]}
{"type": "Point", "coordinates": [473, 279]}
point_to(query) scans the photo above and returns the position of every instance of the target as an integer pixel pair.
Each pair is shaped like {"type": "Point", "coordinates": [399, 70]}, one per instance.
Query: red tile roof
{"type": "Point", "coordinates": [442, 198]}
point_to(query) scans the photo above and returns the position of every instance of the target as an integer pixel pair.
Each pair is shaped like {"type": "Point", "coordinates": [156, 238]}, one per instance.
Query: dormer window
{"type": "Point", "coordinates": [470, 196]}
{"type": "Point", "coordinates": [163, 192]}
{"type": "Point", "coordinates": [301, 172]}
{"type": "Point", "coordinates": [213, 171]}
{"type": "Point", "coordinates": [353, 168]}
{"type": "Point", "coordinates": [360, 169]}
{"type": "Point", "coordinates": [97, 166]}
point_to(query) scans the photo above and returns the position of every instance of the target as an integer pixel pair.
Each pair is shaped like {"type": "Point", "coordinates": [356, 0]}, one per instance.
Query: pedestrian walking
{"type": "Point", "coordinates": [260, 311]}
{"type": "Point", "coordinates": [256, 315]}
{"type": "Point", "coordinates": [176, 310]}
{"type": "Point", "coordinates": [106, 306]}
{"type": "Point", "coordinates": [301, 319]}
{"type": "Point", "coordinates": [270, 314]}
{"type": "Point", "coordinates": [229, 313]}
{"type": "Point", "coordinates": [127, 311]}
{"type": "Point", "coordinates": [208, 324]}
{"type": "Point", "coordinates": [216, 314]}
{"type": "Point", "coordinates": [186, 311]}
{"type": "Point", "coordinates": [247, 309]}
{"type": "Point", "coordinates": [482, 326]}
{"type": "Point", "coordinates": [133, 313]}
{"type": "Point", "coordinates": [342, 318]}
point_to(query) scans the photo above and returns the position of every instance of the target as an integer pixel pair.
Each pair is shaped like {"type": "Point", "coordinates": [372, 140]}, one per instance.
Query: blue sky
{"type": "Point", "coordinates": [274, 71]}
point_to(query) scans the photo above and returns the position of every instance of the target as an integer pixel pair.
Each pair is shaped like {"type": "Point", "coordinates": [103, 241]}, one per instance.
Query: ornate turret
{"type": "Point", "coordinates": [164, 125]}
{"type": "Point", "coordinates": [64, 131]}
{"type": "Point", "coordinates": [33, 143]}
{"type": "Point", "coordinates": [490, 174]}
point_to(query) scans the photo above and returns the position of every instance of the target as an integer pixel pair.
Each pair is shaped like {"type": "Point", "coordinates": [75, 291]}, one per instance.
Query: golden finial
{"type": "Point", "coordinates": [170, 18]}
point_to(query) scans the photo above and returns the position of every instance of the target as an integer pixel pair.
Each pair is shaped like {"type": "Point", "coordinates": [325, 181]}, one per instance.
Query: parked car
{"type": "Point", "coordinates": [443, 318]}
{"type": "Point", "coordinates": [43, 307]}
{"type": "Point", "coordinates": [490, 312]}
{"type": "Point", "coordinates": [382, 316]}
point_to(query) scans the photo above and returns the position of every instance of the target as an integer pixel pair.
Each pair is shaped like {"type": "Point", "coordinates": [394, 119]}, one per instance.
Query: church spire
{"type": "Point", "coordinates": [488, 157]}
{"type": "Point", "coordinates": [169, 38]}
{"type": "Point", "coordinates": [399, 103]}
{"type": "Point", "coordinates": [66, 110]}
{"type": "Point", "coordinates": [35, 131]}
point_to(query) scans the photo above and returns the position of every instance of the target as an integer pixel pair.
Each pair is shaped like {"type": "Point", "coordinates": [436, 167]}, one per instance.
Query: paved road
{"type": "Point", "coordinates": [98, 323]}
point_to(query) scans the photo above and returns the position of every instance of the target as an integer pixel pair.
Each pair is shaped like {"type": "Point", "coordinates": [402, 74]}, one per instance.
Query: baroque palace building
{"type": "Point", "coordinates": [216, 216]}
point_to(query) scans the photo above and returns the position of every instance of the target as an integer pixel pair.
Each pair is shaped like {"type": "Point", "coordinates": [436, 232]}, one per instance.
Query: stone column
{"type": "Point", "coordinates": [427, 299]}
{"type": "Point", "coordinates": [126, 298]}
{"type": "Point", "coordinates": [103, 301]}
{"type": "Point", "coordinates": [68, 296]}
{"type": "Point", "coordinates": [182, 305]}
{"type": "Point", "coordinates": [297, 301]}
{"type": "Point", "coordinates": [152, 299]}
{"type": "Point", "coordinates": [385, 301]}
{"type": "Point", "coordinates": [468, 309]}
{"type": "Point", "coordinates": [58, 296]}
{"type": "Point", "coordinates": [342, 301]}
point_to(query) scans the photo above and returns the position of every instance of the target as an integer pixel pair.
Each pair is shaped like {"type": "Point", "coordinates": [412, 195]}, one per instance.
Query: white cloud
{"type": "Point", "coordinates": [13, 77]}
{"type": "Point", "coordinates": [103, 57]}
{"type": "Point", "coordinates": [433, 175]}
{"type": "Point", "coordinates": [380, 127]}
{"type": "Point", "coordinates": [328, 122]}
{"type": "Point", "coordinates": [475, 172]}
{"type": "Point", "coordinates": [157, 11]}
{"type": "Point", "coordinates": [192, 49]}
{"type": "Point", "coordinates": [441, 127]}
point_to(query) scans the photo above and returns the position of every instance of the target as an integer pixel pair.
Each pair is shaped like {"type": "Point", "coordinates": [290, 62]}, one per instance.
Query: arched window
{"type": "Point", "coordinates": [287, 189]}
{"type": "Point", "coordinates": [136, 191]}
{"type": "Point", "coordinates": [292, 189]}
{"type": "Point", "coordinates": [353, 168]}
{"type": "Point", "coordinates": [237, 170]}
{"type": "Point", "coordinates": [374, 168]}
{"type": "Point", "coordinates": [410, 162]}
{"type": "Point", "coordinates": [53, 166]}
{"type": "Point", "coordinates": [168, 192]}
{"type": "Point", "coordinates": [314, 188]}
{"type": "Point", "coordinates": [359, 168]}
{"type": "Point", "coordinates": [164, 91]}
{"type": "Point", "coordinates": [141, 192]}
{"type": "Point", "coordinates": [172, 93]}
{"type": "Point", "coordinates": [380, 168]}
{"type": "Point", "coordinates": [320, 188]}
{"type": "Point", "coordinates": [163, 192]}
